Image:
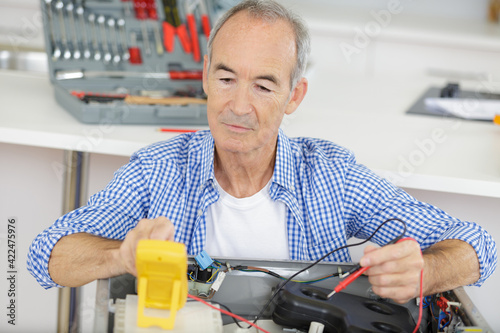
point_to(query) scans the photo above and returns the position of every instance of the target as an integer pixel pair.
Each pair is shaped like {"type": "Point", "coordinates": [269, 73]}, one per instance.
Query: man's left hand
{"type": "Point", "coordinates": [394, 270]}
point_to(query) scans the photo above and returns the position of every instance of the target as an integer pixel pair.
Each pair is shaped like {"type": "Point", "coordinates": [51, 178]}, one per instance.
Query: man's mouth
{"type": "Point", "coordinates": [237, 128]}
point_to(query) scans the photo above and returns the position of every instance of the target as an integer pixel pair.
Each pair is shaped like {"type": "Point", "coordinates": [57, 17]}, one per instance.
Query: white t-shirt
{"type": "Point", "coordinates": [252, 227]}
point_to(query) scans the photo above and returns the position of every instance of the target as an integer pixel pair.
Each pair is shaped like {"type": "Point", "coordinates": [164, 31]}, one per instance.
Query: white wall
{"type": "Point", "coordinates": [20, 24]}
{"type": "Point", "coordinates": [30, 191]}
{"type": "Point", "coordinates": [21, 27]}
{"type": "Point", "coordinates": [462, 9]}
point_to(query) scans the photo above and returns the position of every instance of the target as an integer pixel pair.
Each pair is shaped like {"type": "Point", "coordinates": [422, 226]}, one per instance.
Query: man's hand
{"type": "Point", "coordinates": [394, 270]}
{"type": "Point", "coordinates": [159, 228]}
{"type": "Point", "coordinates": [80, 258]}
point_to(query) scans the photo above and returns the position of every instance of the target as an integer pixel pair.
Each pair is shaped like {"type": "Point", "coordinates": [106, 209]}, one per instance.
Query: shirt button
{"type": "Point", "coordinates": [200, 212]}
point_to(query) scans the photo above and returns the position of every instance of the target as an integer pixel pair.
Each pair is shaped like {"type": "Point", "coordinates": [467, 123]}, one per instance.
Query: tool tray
{"type": "Point", "coordinates": [104, 55]}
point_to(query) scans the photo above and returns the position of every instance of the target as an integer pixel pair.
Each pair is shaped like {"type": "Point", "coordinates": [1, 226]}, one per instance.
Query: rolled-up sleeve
{"type": "Point", "coordinates": [377, 200]}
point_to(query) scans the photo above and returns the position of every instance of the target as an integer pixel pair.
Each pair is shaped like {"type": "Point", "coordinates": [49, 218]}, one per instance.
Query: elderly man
{"type": "Point", "coordinates": [244, 189]}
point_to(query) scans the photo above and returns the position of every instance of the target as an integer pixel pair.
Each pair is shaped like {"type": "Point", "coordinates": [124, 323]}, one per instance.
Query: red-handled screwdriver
{"type": "Point", "coordinates": [205, 21]}
{"type": "Point", "coordinates": [193, 30]}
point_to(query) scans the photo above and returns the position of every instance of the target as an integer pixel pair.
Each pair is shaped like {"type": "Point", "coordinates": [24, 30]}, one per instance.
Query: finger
{"type": "Point", "coordinates": [400, 294]}
{"type": "Point", "coordinates": [162, 229]}
{"type": "Point", "coordinates": [389, 253]}
{"type": "Point", "coordinates": [412, 264]}
{"type": "Point", "coordinates": [370, 248]}
{"type": "Point", "coordinates": [129, 246]}
{"type": "Point", "coordinates": [406, 278]}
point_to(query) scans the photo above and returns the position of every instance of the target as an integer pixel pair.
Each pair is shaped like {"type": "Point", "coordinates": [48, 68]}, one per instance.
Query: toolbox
{"type": "Point", "coordinates": [130, 61]}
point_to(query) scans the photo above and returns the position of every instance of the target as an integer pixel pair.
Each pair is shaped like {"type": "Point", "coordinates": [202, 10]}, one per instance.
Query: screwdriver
{"type": "Point", "coordinates": [193, 30]}
{"type": "Point", "coordinates": [172, 75]}
{"type": "Point", "coordinates": [205, 21]}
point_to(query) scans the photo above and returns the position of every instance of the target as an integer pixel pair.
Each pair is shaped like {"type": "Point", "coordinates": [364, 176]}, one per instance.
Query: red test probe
{"type": "Point", "coordinates": [347, 281]}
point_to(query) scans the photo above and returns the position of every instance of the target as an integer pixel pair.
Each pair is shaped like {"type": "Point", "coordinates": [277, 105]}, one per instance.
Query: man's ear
{"type": "Point", "coordinates": [205, 74]}
{"type": "Point", "coordinates": [297, 95]}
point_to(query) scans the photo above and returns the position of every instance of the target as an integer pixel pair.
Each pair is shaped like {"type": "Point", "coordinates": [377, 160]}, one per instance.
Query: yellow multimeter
{"type": "Point", "coordinates": [162, 283]}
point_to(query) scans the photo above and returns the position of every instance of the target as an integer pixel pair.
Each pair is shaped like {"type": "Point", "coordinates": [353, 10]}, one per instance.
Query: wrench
{"type": "Point", "coordinates": [101, 20]}
{"type": "Point", "coordinates": [56, 54]}
{"type": "Point", "coordinates": [59, 7]}
{"type": "Point", "coordinates": [86, 51]}
{"type": "Point", "coordinates": [95, 46]}
{"type": "Point", "coordinates": [121, 25]}
{"type": "Point", "coordinates": [113, 36]}
{"type": "Point", "coordinates": [70, 8]}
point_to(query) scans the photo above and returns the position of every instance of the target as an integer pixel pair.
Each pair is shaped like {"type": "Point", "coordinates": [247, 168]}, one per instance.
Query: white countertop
{"type": "Point", "coordinates": [30, 115]}
{"type": "Point", "coordinates": [422, 152]}
{"type": "Point", "coordinates": [364, 115]}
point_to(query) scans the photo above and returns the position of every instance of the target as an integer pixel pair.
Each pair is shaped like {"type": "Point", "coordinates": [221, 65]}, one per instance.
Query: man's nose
{"type": "Point", "coordinates": [242, 101]}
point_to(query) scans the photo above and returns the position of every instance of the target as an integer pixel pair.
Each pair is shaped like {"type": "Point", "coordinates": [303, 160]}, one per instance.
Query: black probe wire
{"type": "Point", "coordinates": [323, 257]}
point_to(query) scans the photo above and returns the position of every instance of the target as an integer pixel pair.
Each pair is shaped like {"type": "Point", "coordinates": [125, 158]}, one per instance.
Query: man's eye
{"type": "Point", "coordinates": [225, 80]}
{"type": "Point", "coordinates": [262, 88]}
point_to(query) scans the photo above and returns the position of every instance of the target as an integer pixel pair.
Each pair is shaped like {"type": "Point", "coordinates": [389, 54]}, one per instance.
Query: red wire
{"type": "Point", "coordinates": [420, 306]}
{"type": "Point", "coordinates": [227, 313]}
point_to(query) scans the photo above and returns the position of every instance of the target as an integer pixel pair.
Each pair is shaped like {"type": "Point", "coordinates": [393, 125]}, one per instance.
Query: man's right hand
{"type": "Point", "coordinates": [159, 228]}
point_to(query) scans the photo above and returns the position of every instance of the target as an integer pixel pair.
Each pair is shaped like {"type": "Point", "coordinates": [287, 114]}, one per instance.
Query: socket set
{"type": "Point", "coordinates": [130, 61]}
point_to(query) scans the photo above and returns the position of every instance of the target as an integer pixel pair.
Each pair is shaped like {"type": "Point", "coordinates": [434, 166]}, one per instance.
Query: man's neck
{"type": "Point", "coordinates": [243, 175]}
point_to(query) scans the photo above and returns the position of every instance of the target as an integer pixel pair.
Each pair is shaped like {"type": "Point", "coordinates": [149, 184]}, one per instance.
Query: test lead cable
{"type": "Point", "coordinates": [358, 270]}
{"type": "Point", "coordinates": [322, 258]}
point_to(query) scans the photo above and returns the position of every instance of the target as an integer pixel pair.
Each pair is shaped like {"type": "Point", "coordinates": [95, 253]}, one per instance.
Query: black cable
{"type": "Point", "coordinates": [323, 257]}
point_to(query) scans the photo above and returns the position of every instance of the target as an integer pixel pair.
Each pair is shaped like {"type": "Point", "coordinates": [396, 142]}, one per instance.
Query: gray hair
{"type": "Point", "coordinates": [270, 11]}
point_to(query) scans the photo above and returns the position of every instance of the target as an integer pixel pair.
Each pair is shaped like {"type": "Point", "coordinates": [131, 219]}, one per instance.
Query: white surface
{"type": "Point", "coordinates": [266, 324]}
{"type": "Point", "coordinates": [194, 317]}
{"type": "Point", "coordinates": [466, 108]}
{"type": "Point", "coordinates": [367, 116]}
{"type": "Point", "coordinates": [22, 193]}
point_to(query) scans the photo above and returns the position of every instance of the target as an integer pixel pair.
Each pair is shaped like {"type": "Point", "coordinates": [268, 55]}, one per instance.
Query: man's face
{"type": "Point", "coordinates": [248, 83]}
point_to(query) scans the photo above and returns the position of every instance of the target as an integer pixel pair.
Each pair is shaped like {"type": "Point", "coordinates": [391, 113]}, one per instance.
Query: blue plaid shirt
{"type": "Point", "coordinates": [330, 198]}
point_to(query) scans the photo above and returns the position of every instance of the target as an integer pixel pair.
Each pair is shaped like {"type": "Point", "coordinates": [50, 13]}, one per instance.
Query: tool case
{"type": "Point", "coordinates": [130, 61]}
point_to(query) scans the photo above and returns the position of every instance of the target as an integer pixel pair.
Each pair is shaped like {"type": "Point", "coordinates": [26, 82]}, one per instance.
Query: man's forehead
{"type": "Point", "coordinates": [252, 33]}
{"type": "Point", "coordinates": [244, 23]}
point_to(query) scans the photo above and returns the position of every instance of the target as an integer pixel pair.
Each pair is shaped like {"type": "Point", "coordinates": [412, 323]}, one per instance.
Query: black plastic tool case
{"type": "Point", "coordinates": [91, 49]}
{"type": "Point", "coordinates": [298, 305]}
